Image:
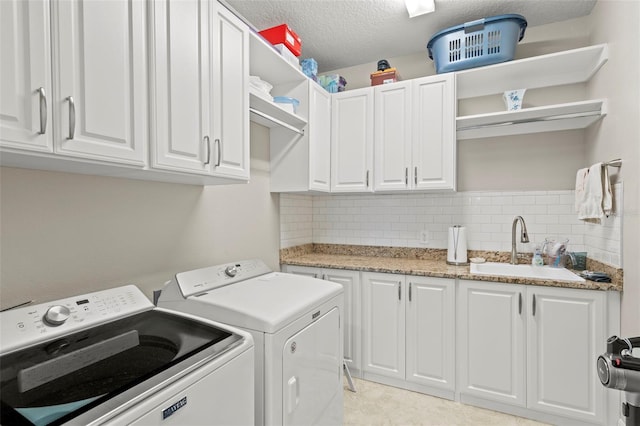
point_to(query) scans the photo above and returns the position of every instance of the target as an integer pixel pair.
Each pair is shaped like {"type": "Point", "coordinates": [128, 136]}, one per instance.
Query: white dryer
{"type": "Point", "coordinates": [296, 323]}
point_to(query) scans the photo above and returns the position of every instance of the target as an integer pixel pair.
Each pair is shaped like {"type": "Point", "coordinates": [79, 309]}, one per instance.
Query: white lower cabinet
{"type": "Point", "coordinates": [491, 341]}
{"type": "Point", "coordinates": [350, 281]}
{"type": "Point", "coordinates": [534, 347]}
{"type": "Point", "coordinates": [565, 335]}
{"type": "Point", "coordinates": [408, 330]}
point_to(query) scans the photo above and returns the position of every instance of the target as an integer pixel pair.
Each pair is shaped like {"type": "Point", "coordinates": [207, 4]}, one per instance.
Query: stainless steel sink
{"type": "Point", "coordinates": [524, 271]}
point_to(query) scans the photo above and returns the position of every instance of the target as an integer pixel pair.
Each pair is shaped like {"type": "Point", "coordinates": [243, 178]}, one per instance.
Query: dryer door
{"type": "Point", "coordinates": [312, 370]}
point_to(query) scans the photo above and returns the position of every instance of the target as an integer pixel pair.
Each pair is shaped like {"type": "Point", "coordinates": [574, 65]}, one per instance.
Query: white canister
{"type": "Point", "coordinates": [457, 249]}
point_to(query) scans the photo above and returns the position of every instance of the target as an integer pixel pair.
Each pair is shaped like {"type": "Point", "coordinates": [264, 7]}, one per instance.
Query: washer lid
{"type": "Point", "coordinates": [266, 303]}
{"type": "Point", "coordinates": [92, 369]}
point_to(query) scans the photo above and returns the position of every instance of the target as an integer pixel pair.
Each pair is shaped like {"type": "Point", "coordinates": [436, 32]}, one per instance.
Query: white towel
{"type": "Point", "coordinates": [581, 181]}
{"type": "Point", "coordinates": [607, 199]}
{"type": "Point", "coordinates": [593, 193]}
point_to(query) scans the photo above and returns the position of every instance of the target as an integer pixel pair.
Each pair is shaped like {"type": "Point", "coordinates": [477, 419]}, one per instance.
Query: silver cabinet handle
{"type": "Point", "coordinates": [367, 179]}
{"type": "Point", "coordinates": [219, 152]}
{"type": "Point", "coordinates": [415, 176]}
{"type": "Point", "coordinates": [534, 305]}
{"type": "Point", "coordinates": [43, 110]}
{"type": "Point", "coordinates": [72, 117]}
{"type": "Point", "coordinates": [519, 303]}
{"type": "Point", "coordinates": [409, 292]}
{"type": "Point", "coordinates": [399, 290]}
{"type": "Point", "coordinates": [406, 179]}
{"type": "Point", "coordinates": [208, 145]}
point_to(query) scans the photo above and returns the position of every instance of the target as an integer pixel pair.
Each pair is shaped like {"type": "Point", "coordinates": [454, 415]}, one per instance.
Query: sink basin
{"type": "Point", "coordinates": [525, 271]}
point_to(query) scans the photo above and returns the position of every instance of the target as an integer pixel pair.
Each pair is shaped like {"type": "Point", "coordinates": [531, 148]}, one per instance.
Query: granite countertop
{"type": "Point", "coordinates": [421, 262]}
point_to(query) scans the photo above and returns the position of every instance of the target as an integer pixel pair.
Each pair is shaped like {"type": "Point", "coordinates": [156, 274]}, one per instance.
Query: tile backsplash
{"type": "Point", "coordinates": [422, 220]}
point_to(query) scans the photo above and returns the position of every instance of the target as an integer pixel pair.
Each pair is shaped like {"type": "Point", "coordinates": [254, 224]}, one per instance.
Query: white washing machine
{"type": "Point", "coordinates": [112, 358]}
{"type": "Point", "coordinates": [296, 323]}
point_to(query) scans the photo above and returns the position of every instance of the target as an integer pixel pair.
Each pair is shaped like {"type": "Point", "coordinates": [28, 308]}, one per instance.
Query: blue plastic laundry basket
{"type": "Point", "coordinates": [477, 43]}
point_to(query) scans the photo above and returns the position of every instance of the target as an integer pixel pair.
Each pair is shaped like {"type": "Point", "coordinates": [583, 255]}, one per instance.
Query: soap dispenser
{"type": "Point", "coordinates": [537, 257]}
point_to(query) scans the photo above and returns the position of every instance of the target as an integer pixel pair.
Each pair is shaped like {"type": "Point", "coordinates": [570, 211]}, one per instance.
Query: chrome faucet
{"type": "Point", "coordinates": [524, 237]}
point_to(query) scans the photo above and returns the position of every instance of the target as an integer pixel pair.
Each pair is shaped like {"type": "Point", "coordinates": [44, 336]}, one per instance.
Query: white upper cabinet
{"type": "Point", "coordinates": [392, 137]}
{"type": "Point", "coordinates": [100, 79]}
{"type": "Point", "coordinates": [25, 69]}
{"type": "Point", "coordinates": [434, 140]}
{"type": "Point", "coordinates": [319, 130]}
{"type": "Point", "coordinates": [352, 141]}
{"type": "Point", "coordinates": [230, 101]}
{"type": "Point", "coordinates": [180, 107]}
{"type": "Point", "coordinates": [77, 88]}
{"type": "Point", "coordinates": [199, 124]}
{"type": "Point", "coordinates": [415, 145]}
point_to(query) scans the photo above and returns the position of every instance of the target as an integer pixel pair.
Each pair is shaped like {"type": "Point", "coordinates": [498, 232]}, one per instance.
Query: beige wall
{"type": "Point", "coordinates": [618, 135]}
{"type": "Point", "coordinates": [64, 234]}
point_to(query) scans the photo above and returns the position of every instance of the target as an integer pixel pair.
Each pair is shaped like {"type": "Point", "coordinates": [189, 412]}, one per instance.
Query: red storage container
{"type": "Point", "coordinates": [283, 34]}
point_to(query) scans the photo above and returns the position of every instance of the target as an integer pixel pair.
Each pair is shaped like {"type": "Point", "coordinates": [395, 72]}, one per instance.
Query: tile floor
{"type": "Point", "coordinates": [376, 404]}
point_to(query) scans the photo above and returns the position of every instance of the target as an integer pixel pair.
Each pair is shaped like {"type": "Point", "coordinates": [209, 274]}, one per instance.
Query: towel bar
{"type": "Point", "coordinates": [614, 163]}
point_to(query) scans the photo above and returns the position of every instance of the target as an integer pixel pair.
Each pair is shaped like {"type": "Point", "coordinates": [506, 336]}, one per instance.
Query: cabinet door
{"type": "Point", "coordinates": [100, 79]}
{"type": "Point", "coordinates": [25, 75]}
{"type": "Point", "coordinates": [230, 93]}
{"type": "Point", "coordinates": [431, 332]}
{"type": "Point", "coordinates": [565, 335]}
{"type": "Point", "coordinates": [319, 138]}
{"type": "Point", "coordinates": [180, 136]}
{"type": "Point", "coordinates": [352, 141]}
{"type": "Point", "coordinates": [434, 132]}
{"type": "Point", "coordinates": [491, 341]}
{"type": "Point", "coordinates": [392, 136]}
{"type": "Point", "coordinates": [350, 281]}
{"type": "Point", "coordinates": [383, 316]}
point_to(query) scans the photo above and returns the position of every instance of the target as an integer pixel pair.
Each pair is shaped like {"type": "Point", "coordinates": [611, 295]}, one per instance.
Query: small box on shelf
{"type": "Point", "coordinates": [285, 35]}
{"type": "Point", "coordinates": [389, 75]}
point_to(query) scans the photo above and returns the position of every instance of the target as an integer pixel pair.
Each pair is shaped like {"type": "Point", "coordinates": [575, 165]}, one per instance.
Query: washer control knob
{"type": "Point", "coordinates": [57, 315]}
{"type": "Point", "coordinates": [231, 271]}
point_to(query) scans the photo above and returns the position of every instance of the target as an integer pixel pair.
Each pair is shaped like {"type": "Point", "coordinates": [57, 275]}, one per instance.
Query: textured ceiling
{"type": "Point", "coordinates": [339, 34]}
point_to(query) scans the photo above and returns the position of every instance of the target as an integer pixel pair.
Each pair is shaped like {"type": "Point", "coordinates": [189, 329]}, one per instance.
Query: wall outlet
{"type": "Point", "coordinates": [423, 236]}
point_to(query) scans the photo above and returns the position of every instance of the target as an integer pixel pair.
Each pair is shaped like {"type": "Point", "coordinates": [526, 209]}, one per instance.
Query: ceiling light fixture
{"type": "Point", "coordinates": [419, 7]}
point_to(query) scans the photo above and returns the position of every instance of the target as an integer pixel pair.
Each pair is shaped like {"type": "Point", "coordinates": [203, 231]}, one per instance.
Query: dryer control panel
{"type": "Point", "coordinates": [212, 277]}
{"type": "Point", "coordinates": [22, 327]}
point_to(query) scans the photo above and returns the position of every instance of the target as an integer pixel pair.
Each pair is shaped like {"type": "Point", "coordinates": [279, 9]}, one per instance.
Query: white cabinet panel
{"type": "Point", "coordinates": [319, 138]}
{"type": "Point", "coordinates": [491, 341]}
{"type": "Point", "coordinates": [25, 70]}
{"type": "Point", "coordinates": [100, 98]}
{"type": "Point", "coordinates": [415, 145]}
{"type": "Point", "coordinates": [230, 80]}
{"type": "Point", "coordinates": [393, 165]}
{"type": "Point", "coordinates": [565, 336]}
{"type": "Point", "coordinates": [430, 333]}
{"type": "Point", "coordinates": [180, 86]}
{"type": "Point", "coordinates": [383, 316]}
{"type": "Point", "coordinates": [201, 125]}
{"type": "Point", "coordinates": [352, 141]}
{"type": "Point", "coordinates": [434, 143]}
